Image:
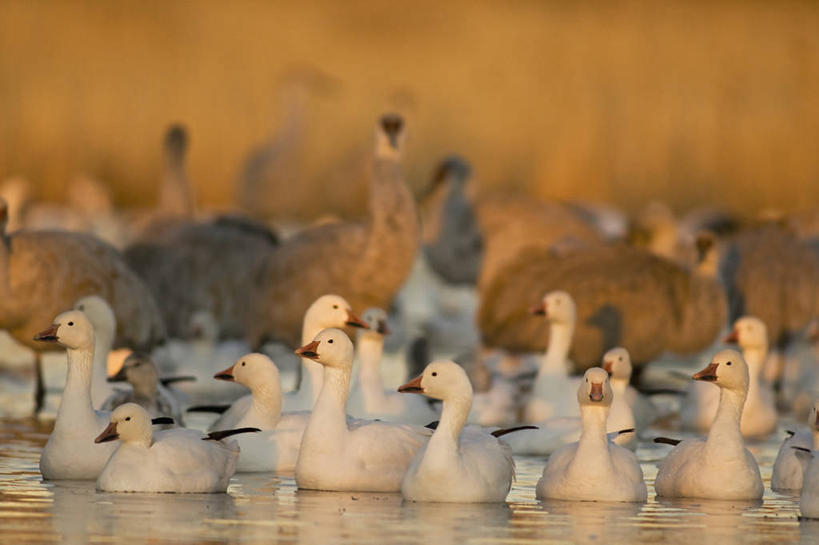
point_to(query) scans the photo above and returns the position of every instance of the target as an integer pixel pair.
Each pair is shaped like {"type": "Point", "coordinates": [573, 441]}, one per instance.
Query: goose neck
{"type": "Point", "coordinates": [267, 401]}
{"type": "Point", "coordinates": [334, 391]}
{"type": "Point", "coordinates": [76, 400]}
{"type": "Point", "coordinates": [453, 418]}
{"type": "Point", "coordinates": [557, 354]}
{"type": "Point", "coordinates": [592, 447]}
{"type": "Point", "coordinates": [725, 437]}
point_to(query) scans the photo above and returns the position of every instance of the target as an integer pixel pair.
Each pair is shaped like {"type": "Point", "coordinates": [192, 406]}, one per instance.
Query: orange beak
{"type": "Point", "coordinates": [48, 335]}
{"type": "Point", "coordinates": [708, 374]}
{"type": "Point", "coordinates": [539, 309]}
{"type": "Point", "coordinates": [227, 374]}
{"type": "Point", "coordinates": [732, 337]}
{"type": "Point", "coordinates": [412, 387]}
{"type": "Point", "coordinates": [608, 366]}
{"type": "Point", "coordinates": [108, 434]}
{"type": "Point", "coordinates": [355, 321]}
{"type": "Point", "coordinates": [596, 393]}
{"type": "Point", "coordinates": [309, 350]}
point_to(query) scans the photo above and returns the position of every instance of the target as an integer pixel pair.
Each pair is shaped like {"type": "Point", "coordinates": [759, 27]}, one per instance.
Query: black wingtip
{"type": "Point", "coordinates": [790, 433]}
{"type": "Point", "coordinates": [221, 434]}
{"type": "Point", "coordinates": [219, 409]}
{"type": "Point", "coordinates": [433, 425]}
{"type": "Point", "coordinates": [802, 449]}
{"type": "Point", "coordinates": [162, 420]}
{"type": "Point", "coordinates": [667, 441]}
{"type": "Point", "coordinates": [501, 433]}
{"type": "Point", "coordinates": [625, 431]}
{"type": "Point", "coordinates": [167, 381]}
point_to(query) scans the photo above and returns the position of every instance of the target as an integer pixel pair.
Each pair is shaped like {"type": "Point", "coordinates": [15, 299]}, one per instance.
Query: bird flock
{"type": "Point", "coordinates": [530, 328]}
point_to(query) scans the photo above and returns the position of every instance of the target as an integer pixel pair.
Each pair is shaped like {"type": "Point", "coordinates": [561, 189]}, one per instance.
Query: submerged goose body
{"type": "Point", "coordinates": [368, 398]}
{"type": "Point", "coordinates": [456, 464]}
{"type": "Point", "coordinates": [719, 467]}
{"type": "Point", "coordinates": [370, 456]}
{"type": "Point", "coordinates": [593, 468]}
{"type": "Point", "coordinates": [552, 394]}
{"type": "Point", "coordinates": [70, 452]}
{"type": "Point", "coordinates": [175, 460]}
{"type": "Point", "coordinates": [759, 415]}
{"type": "Point", "coordinates": [140, 371]}
{"type": "Point", "coordinates": [790, 465]}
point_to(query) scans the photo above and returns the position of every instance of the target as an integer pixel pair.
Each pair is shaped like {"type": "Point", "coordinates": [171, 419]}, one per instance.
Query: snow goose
{"type": "Point", "coordinates": [759, 416]}
{"type": "Point", "coordinates": [456, 465]}
{"type": "Point", "coordinates": [370, 456]}
{"type": "Point", "coordinates": [617, 364]}
{"type": "Point", "coordinates": [368, 398]}
{"type": "Point", "coordinates": [102, 318]}
{"type": "Point", "coordinates": [719, 467]}
{"type": "Point", "coordinates": [790, 466]}
{"type": "Point", "coordinates": [147, 391]}
{"type": "Point", "coordinates": [328, 311]}
{"type": "Point", "coordinates": [176, 460]}
{"type": "Point", "coordinates": [276, 448]}
{"type": "Point", "coordinates": [809, 499]}
{"type": "Point", "coordinates": [593, 468]}
{"type": "Point", "coordinates": [551, 394]}
{"type": "Point", "coordinates": [70, 452]}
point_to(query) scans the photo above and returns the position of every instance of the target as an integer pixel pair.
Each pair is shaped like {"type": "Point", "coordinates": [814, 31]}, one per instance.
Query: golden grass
{"type": "Point", "coordinates": [624, 102]}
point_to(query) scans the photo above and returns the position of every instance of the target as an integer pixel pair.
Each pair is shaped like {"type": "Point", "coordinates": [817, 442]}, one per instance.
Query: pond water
{"type": "Point", "coordinates": [262, 508]}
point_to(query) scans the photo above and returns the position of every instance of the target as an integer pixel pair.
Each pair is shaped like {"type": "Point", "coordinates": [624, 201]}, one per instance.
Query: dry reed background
{"type": "Point", "coordinates": [689, 101]}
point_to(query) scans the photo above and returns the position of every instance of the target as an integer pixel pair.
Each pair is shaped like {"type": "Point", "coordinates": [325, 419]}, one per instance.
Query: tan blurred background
{"type": "Point", "coordinates": [694, 102]}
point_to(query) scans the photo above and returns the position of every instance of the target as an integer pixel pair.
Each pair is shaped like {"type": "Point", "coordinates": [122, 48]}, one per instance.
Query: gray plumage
{"type": "Point", "coordinates": [625, 297]}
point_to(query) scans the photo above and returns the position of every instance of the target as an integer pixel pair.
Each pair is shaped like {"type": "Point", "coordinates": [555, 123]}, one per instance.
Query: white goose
{"type": "Point", "coordinates": [719, 467]}
{"type": "Point", "coordinates": [593, 468]}
{"type": "Point", "coordinates": [327, 311]}
{"type": "Point", "coordinates": [790, 465]}
{"type": "Point", "coordinates": [552, 392]}
{"type": "Point", "coordinates": [456, 464]}
{"type": "Point", "coordinates": [147, 391]}
{"type": "Point", "coordinates": [371, 456]}
{"type": "Point", "coordinates": [759, 417]}
{"type": "Point", "coordinates": [617, 364]}
{"type": "Point", "coordinates": [276, 448]}
{"type": "Point", "coordinates": [175, 460]}
{"type": "Point", "coordinates": [642, 408]}
{"type": "Point", "coordinates": [368, 397]}
{"type": "Point", "coordinates": [102, 318]}
{"type": "Point", "coordinates": [809, 498]}
{"type": "Point", "coordinates": [70, 452]}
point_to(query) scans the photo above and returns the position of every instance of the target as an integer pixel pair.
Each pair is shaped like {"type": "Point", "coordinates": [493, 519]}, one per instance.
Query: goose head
{"type": "Point", "coordinates": [331, 348]}
{"type": "Point", "coordinates": [444, 380]}
{"type": "Point", "coordinates": [139, 370]}
{"type": "Point", "coordinates": [332, 311]}
{"type": "Point", "coordinates": [376, 321]}
{"type": "Point", "coordinates": [748, 332]}
{"type": "Point", "coordinates": [389, 136]}
{"type": "Point", "coordinates": [71, 329]}
{"type": "Point", "coordinates": [558, 307]}
{"type": "Point", "coordinates": [595, 389]}
{"type": "Point", "coordinates": [129, 423]}
{"type": "Point", "coordinates": [453, 171]}
{"type": "Point", "coordinates": [203, 326]}
{"type": "Point", "coordinates": [617, 363]}
{"type": "Point", "coordinates": [251, 370]}
{"type": "Point", "coordinates": [100, 314]}
{"type": "Point", "coordinates": [727, 370]}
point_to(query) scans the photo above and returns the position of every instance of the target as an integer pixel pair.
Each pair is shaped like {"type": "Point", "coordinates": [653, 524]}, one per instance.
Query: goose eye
{"type": "Point", "coordinates": [728, 363]}
{"type": "Point", "coordinates": [137, 364]}
{"type": "Point", "coordinates": [330, 341]}
{"type": "Point", "coordinates": [587, 380]}
{"type": "Point", "coordinates": [620, 358]}
{"type": "Point", "coordinates": [128, 419]}
{"type": "Point", "coordinates": [335, 306]}
{"type": "Point", "coordinates": [434, 373]}
{"type": "Point", "coordinates": [70, 324]}
{"type": "Point", "coordinates": [243, 364]}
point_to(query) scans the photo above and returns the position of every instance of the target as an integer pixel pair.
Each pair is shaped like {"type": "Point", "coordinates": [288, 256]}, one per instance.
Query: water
{"type": "Point", "coordinates": [266, 508]}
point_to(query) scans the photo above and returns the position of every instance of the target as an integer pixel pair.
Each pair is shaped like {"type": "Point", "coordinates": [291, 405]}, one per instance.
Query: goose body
{"type": "Point", "coordinates": [719, 467]}
{"type": "Point", "coordinates": [552, 394]}
{"type": "Point", "coordinates": [809, 497]}
{"type": "Point", "coordinates": [175, 460]}
{"type": "Point", "coordinates": [759, 415]}
{"type": "Point", "coordinates": [593, 468]}
{"type": "Point", "coordinates": [369, 398]}
{"type": "Point", "coordinates": [140, 371]}
{"type": "Point", "coordinates": [369, 456]}
{"type": "Point", "coordinates": [456, 464]}
{"type": "Point", "coordinates": [70, 452]}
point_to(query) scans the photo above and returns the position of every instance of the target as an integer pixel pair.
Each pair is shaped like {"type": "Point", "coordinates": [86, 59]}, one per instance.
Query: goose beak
{"type": "Point", "coordinates": [309, 350]}
{"type": "Point", "coordinates": [227, 374]}
{"type": "Point", "coordinates": [383, 328]}
{"type": "Point", "coordinates": [708, 374]}
{"type": "Point", "coordinates": [539, 309]}
{"type": "Point", "coordinates": [119, 376]}
{"type": "Point", "coordinates": [108, 434]}
{"type": "Point", "coordinates": [413, 386]}
{"type": "Point", "coordinates": [732, 337]}
{"type": "Point", "coordinates": [355, 321]}
{"type": "Point", "coordinates": [48, 335]}
{"type": "Point", "coordinates": [596, 393]}
{"type": "Point", "coordinates": [608, 366]}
